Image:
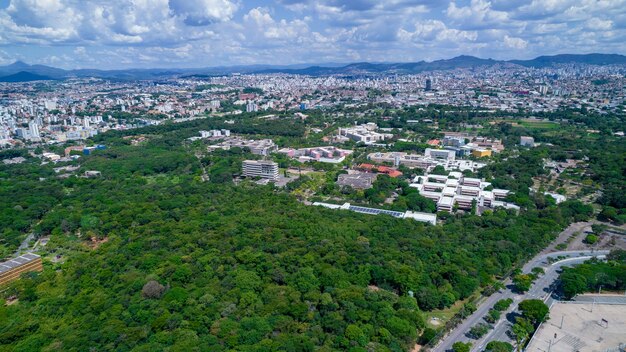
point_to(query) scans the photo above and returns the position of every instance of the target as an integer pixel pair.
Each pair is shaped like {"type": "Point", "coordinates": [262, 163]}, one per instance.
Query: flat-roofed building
{"type": "Point", "coordinates": [361, 180]}
{"type": "Point", "coordinates": [12, 269]}
{"type": "Point", "coordinates": [434, 186]}
{"type": "Point", "coordinates": [440, 153]}
{"type": "Point", "coordinates": [480, 153]}
{"type": "Point", "coordinates": [260, 168]}
{"type": "Point", "coordinates": [469, 191]}
{"type": "Point", "coordinates": [464, 202]}
{"type": "Point", "coordinates": [426, 162]}
{"type": "Point", "coordinates": [526, 141]}
{"type": "Point", "coordinates": [473, 182]}
{"type": "Point", "coordinates": [500, 194]}
{"type": "Point", "coordinates": [456, 190]}
{"type": "Point", "coordinates": [445, 204]}
{"type": "Point", "coordinates": [259, 147]}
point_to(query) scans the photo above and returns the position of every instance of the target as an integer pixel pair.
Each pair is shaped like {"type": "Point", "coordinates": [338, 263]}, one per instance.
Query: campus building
{"type": "Point", "coordinates": [440, 154]}
{"type": "Point", "coordinates": [424, 162]}
{"type": "Point", "coordinates": [328, 154]}
{"type": "Point", "coordinates": [364, 133]}
{"type": "Point", "coordinates": [260, 168]}
{"type": "Point", "coordinates": [460, 191]}
{"type": "Point", "coordinates": [12, 269]}
{"type": "Point", "coordinates": [260, 147]}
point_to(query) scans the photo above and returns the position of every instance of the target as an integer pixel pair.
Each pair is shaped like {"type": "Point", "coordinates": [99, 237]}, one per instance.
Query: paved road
{"type": "Point", "coordinates": [540, 289]}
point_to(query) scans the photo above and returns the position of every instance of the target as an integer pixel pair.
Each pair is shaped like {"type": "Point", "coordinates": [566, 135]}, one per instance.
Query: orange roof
{"type": "Point", "coordinates": [433, 142]}
{"type": "Point", "coordinates": [394, 173]}
{"type": "Point", "coordinates": [382, 169]}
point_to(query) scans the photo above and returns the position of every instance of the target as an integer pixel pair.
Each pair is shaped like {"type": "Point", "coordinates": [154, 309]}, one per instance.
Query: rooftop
{"type": "Point", "coordinates": [19, 261]}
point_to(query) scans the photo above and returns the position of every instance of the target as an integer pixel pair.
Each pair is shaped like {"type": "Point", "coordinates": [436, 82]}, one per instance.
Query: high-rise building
{"type": "Point", "coordinates": [260, 168]}
{"type": "Point", "coordinates": [252, 107]}
{"type": "Point", "coordinates": [33, 129]}
{"type": "Point", "coordinates": [429, 84]}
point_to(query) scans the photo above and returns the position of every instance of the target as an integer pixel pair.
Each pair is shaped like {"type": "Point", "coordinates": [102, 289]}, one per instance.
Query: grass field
{"type": "Point", "coordinates": [438, 318]}
{"type": "Point", "coordinates": [539, 125]}
{"type": "Point", "coordinates": [532, 124]}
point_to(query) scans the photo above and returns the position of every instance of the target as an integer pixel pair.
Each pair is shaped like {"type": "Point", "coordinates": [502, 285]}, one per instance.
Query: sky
{"type": "Point", "coordinates": [110, 34]}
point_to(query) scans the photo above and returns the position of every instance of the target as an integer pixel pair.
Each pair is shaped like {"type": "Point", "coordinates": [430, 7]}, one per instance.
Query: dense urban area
{"type": "Point", "coordinates": [457, 209]}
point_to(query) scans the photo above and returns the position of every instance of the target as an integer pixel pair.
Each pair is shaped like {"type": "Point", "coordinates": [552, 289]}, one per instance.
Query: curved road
{"type": "Point", "coordinates": [541, 289]}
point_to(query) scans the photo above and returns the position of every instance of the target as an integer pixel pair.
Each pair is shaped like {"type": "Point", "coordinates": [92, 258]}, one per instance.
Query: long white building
{"type": "Point", "coordinates": [425, 162]}
{"type": "Point", "coordinates": [364, 133]}
{"type": "Point", "coordinates": [260, 168]}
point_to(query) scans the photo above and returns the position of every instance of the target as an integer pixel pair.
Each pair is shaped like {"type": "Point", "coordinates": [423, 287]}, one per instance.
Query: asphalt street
{"type": "Point", "coordinates": [541, 289]}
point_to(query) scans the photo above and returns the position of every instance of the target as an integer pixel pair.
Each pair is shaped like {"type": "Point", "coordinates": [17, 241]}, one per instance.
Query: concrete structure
{"type": "Point", "coordinates": [453, 141]}
{"type": "Point", "coordinates": [327, 154]}
{"type": "Point", "coordinates": [381, 169]}
{"type": "Point", "coordinates": [417, 216]}
{"type": "Point", "coordinates": [12, 269]}
{"type": "Point", "coordinates": [364, 133]}
{"type": "Point", "coordinates": [582, 327]}
{"type": "Point", "coordinates": [559, 198]}
{"type": "Point", "coordinates": [457, 190]}
{"type": "Point", "coordinates": [440, 154]}
{"type": "Point", "coordinates": [259, 168]}
{"type": "Point", "coordinates": [423, 162]}
{"type": "Point", "coordinates": [260, 147]}
{"type": "Point", "coordinates": [252, 107]}
{"type": "Point", "coordinates": [480, 153]}
{"type": "Point", "coordinates": [527, 141]}
{"type": "Point", "coordinates": [361, 180]}
{"type": "Point", "coordinates": [215, 133]}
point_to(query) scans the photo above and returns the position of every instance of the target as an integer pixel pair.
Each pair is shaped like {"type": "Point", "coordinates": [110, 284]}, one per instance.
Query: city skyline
{"type": "Point", "coordinates": [204, 33]}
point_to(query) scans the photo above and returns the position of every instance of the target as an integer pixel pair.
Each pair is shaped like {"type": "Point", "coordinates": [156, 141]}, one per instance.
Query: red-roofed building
{"type": "Point", "coordinates": [433, 142]}
{"type": "Point", "coordinates": [381, 169]}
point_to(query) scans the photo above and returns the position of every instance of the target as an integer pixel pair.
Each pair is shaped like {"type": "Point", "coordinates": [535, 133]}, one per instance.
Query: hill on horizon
{"type": "Point", "coordinates": [24, 76]}
{"type": "Point", "coordinates": [20, 69]}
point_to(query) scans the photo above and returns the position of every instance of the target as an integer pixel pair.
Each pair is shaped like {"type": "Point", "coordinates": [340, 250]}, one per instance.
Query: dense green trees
{"type": "Point", "coordinates": [534, 310]}
{"type": "Point", "coordinates": [498, 346]}
{"type": "Point", "coordinates": [592, 275]}
{"type": "Point", "coordinates": [153, 256]}
{"type": "Point", "coordinates": [461, 346]}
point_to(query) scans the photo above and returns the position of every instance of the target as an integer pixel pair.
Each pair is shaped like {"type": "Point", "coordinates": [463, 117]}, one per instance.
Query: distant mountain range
{"type": "Point", "coordinates": [24, 76]}
{"type": "Point", "coordinates": [21, 72]}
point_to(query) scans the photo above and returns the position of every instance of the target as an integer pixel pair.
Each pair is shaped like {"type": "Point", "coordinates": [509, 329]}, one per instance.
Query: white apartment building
{"type": "Point", "coordinates": [260, 168]}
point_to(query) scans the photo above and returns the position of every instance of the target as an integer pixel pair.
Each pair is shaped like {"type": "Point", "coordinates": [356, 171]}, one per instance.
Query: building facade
{"type": "Point", "coordinates": [260, 168]}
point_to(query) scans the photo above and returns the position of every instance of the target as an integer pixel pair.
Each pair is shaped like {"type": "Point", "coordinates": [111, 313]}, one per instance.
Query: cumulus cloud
{"type": "Point", "coordinates": [217, 32]}
{"type": "Point", "coordinates": [113, 22]}
{"type": "Point", "coordinates": [203, 12]}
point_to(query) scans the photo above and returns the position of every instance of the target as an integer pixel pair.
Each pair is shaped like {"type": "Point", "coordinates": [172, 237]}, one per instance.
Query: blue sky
{"type": "Point", "coordinates": [202, 33]}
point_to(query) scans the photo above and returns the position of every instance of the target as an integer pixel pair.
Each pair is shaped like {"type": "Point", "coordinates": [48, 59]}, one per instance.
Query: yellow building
{"type": "Point", "coordinates": [481, 152]}
{"type": "Point", "coordinates": [12, 269]}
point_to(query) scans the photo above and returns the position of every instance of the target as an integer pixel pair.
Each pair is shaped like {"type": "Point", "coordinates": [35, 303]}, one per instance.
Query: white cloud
{"type": "Point", "coordinates": [132, 22]}
{"type": "Point", "coordinates": [435, 30]}
{"type": "Point", "coordinates": [203, 12]}
{"type": "Point", "coordinates": [218, 32]}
